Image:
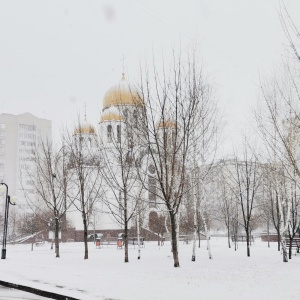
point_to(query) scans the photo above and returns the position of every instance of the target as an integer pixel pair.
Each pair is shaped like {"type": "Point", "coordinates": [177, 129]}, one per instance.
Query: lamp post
{"type": "Point", "coordinates": [4, 187]}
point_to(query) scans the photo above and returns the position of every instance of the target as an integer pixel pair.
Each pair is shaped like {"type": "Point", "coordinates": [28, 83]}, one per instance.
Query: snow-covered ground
{"type": "Point", "coordinates": [229, 275]}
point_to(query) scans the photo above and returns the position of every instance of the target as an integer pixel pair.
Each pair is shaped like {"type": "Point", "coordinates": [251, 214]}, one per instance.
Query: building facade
{"type": "Point", "coordinates": [18, 137]}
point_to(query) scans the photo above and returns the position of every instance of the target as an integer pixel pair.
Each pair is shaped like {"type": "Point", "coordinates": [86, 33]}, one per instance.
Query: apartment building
{"type": "Point", "coordinates": [18, 137]}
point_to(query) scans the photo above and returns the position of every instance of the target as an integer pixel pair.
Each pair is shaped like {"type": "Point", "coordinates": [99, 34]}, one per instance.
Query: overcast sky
{"type": "Point", "coordinates": [55, 56]}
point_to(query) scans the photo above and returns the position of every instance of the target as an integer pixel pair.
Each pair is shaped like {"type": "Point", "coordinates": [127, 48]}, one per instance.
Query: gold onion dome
{"type": "Point", "coordinates": [166, 124]}
{"type": "Point", "coordinates": [122, 94]}
{"type": "Point", "coordinates": [111, 114]}
{"type": "Point", "coordinates": [85, 128]}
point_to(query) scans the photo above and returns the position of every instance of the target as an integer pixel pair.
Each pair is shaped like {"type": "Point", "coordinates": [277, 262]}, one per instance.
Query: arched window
{"type": "Point", "coordinates": [165, 137]}
{"type": "Point", "coordinates": [135, 118]}
{"type": "Point", "coordinates": [125, 113]}
{"type": "Point", "coordinates": [154, 221]}
{"type": "Point", "coordinates": [173, 137]}
{"type": "Point", "coordinates": [109, 133]}
{"type": "Point", "coordinates": [152, 191]}
{"type": "Point", "coordinates": [119, 133]}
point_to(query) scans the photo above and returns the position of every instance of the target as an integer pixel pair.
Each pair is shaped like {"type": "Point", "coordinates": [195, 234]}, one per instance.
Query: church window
{"type": "Point", "coordinates": [152, 191]}
{"type": "Point", "coordinates": [154, 224]}
{"type": "Point", "coordinates": [151, 169]}
{"type": "Point", "coordinates": [126, 113]}
{"type": "Point", "coordinates": [165, 135]}
{"type": "Point", "coordinates": [135, 118]}
{"type": "Point", "coordinates": [173, 136]}
{"type": "Point", "coordinates": [119, 133]}
{"type": "Point", "coordinates": [109, 133]}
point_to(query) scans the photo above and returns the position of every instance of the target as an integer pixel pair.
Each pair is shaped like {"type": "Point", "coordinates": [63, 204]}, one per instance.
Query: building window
{"type": "Point", "coordinates": [109, 133]}
{"type": "Point", "coordinates": [119, 133]}
{"type": "Point", "coordinates": [135, 119]}
{"type": "Point", "coordinates": [125, 113]}
{"type": "Point", "coordinates": [152, 191]}
{"type": "Point", "coordinates": [27, 127]}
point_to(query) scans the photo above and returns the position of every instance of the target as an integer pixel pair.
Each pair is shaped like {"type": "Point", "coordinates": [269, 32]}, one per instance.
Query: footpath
{"type": "Point", "coordinates": [45, 294]}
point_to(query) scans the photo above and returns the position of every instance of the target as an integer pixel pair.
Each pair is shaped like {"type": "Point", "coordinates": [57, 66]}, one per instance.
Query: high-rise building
{"type": "Point", "coordinates": [18, 137]}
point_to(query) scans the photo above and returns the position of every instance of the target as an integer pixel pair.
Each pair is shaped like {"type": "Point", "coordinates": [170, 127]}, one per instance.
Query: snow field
{"type": "Point", "coordinates": [229, 275]}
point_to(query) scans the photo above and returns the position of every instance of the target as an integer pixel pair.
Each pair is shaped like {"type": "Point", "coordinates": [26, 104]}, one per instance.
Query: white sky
{"type": "Point", "coordinates": [55, 56]}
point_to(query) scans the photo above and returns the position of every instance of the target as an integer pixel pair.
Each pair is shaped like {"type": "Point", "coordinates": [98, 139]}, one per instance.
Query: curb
{"type": "Point", "coordinates": [35, 291]}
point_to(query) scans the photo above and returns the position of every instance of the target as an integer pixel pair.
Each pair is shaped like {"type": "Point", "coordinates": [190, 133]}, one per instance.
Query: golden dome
{"type": "Point", "coordinates": [121, 94]}
{"type": "Point", "coordinates": [85, 129]}
{"type": "Point", "coordinates": [166, 124]}
{"type": "Point", "coordinates": [111, 117]}
{"type": "Point", "coordinates": [111, 114]}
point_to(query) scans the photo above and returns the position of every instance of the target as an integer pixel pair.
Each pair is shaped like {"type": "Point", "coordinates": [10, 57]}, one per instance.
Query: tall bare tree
{"type": "Point", "coordinates": [48, 177]}
{"type": "Point", "coordinates": [247, 179]}
{"type": "Point", "coordinates": [120, 153]}
{"type": "Point", "coordinates": [172, 113]}
{"type": "Point", "coordinates": [85, 174]}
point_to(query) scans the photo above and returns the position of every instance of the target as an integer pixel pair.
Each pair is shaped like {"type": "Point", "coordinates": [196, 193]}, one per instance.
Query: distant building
{"type": "Point", "coordinates": [18, 137]}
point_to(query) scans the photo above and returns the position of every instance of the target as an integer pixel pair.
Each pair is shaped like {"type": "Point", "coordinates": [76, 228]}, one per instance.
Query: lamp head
{"type": "Point", "coordinates": [13, 200]}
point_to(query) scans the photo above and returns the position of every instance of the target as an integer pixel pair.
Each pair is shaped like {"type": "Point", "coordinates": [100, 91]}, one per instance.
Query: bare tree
{"type": "Point", "coordinates": [247, 180]}
{"type": "Point", "coordinates": [120, 154]}
{"type": "Point", "coordinates": [85, 173]}
{"type": "Point", "coordinates": [48, 177]}
{"type": "Point", "coordinates": [226, 205]}
{"type": "Point", "coordinates": [171, 116]}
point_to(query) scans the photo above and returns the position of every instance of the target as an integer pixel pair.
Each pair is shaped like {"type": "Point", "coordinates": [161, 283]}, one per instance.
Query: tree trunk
{"type": "Point", "coordinates": [207, 237]}
{"type": "Point", "coordinates": [126, 260]}
{"type": "Point", "coordinates": [174, 239]}
{"type": "Point", "coordinates": [86, 251]}
{"type": "Point", "coordinates": [284, 252]}
{"type": "Point", "coordinates": [228, 237]}
{"type": "Point", "coordinates": [290, 248]}
{"type": "Point", "coordinates": [195, 236]}
{"type": "Point", "coordinates": [268, 232]}
{"type": "Point", "coordinates": [32, 237]}
{"type": "Point", "coordinates": [248, 242]}
{"type": "Point", "coordinates": [138, 235]}
{"type": "Point", "coordinates": [56, 237]}
{"type": "Point", "coordinates": [278, 240]}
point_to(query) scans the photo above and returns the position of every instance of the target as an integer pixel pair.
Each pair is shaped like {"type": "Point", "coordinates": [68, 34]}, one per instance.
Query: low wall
{"type": "Point", "coordinates": [272, 237]}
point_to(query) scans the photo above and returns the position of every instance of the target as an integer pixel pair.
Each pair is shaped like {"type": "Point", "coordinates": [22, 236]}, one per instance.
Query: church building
{"type": "Point", "coordinates": [125, 189]}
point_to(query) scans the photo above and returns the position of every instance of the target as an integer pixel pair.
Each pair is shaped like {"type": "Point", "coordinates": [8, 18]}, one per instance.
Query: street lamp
{"type": "Point", "coordinates": [4, 188]}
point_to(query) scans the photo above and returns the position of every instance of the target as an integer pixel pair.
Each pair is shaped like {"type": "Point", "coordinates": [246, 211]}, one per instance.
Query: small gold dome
{"type": "Point", "coordinates": [111, 117]}
{"type": "Point", "coordinates": [121, 94]}
{"type": "Point", "coordinates": [85, 129]}
{"type": "Point", "coordinates": [111, 114]}
{"type": "Point", "coordinates": [166, 124]}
